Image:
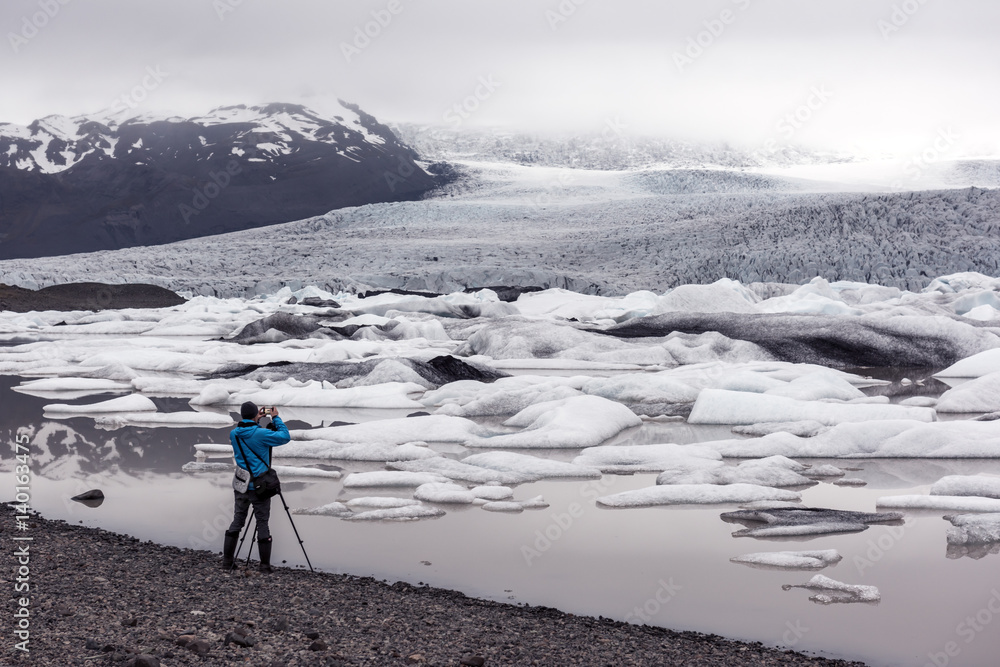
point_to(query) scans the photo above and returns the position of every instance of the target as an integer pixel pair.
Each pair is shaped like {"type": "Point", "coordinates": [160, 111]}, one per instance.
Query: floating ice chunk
{"type": "Point", "coordinates": [116, 371]}
{"type": "Point", "coordinates": [463, 472]}
{"type": "Point", "coordinates": [202, 466]}
{"type": "Point", "coordinates": [492, 492]}
{"type": "Point", "coordinates": [722, 296]}
{"type": "Point", "coordinates": [967, 485]}
{"type": "Point", "coordinates": [717, 406]}
{"type": "Point", "coordinates": [388, 395]}
{"type": "Point", "coordinates": [745, 380]}
{"type": "Point", "coordinates": [444, 492]}
{"type": "Point", "coordinates": [877, 439]}
{"type": "Point", "coordinates": [833, 591]}
{"type": "Point", "coordinates": [524, 464]}
{"type": "Point", "coordinates": [365, 320]}
{"type": "Point", "coordinates": [168, 419]}
{"type": "Point", "coordinates": [79, 386]}
{"type": "Point", "coordinates": [850, 481]}
{"type": "Point", "coordinates": [408, 513]}
{"type": "Point", "coordinates": [946, 503]}
{"type": "Point", "coordinates": [981, 394]}
{"type": "Point", "coordinates": [381, 502]}
{"type": "Point", "coordinates": [212, 394]}
{"type": "Point", "coordinates": [434, 428]}
{"type": "Point", "coordinates": [803, 429]}
{"type": "Point", "coordinates": [812, 304]}
{"type": "Point", "coordinates": [560, 303]}
{"type": "Point", "coordinates": [695, 494]}
{"type": "Point", "coordinates": [518, 338]}
{"type": "Point", "coordinates": [171, 386]}
{"type": "Point", "coordinates": [816, 386]}
{"type": "Point", "coordinates": [536, 503]}
{"type": "Point", "coordinates": [791, 560]}
{"type": "Point", "coordinates": [390, 479]}
{"type": "Point", "coordinates": [130, 403]}
{"type": "Point", "coordinates": [562, 364]}
{"type": "Point", "coordinates": [984, 313]}
{"type": "Point", "coordinates": [648, 458]}
{"type": "Point", "coordinates": [920, 401]}
{"type": "Point", "coordinates": [973, 528]}
{"type": "Point", "coordinates": [337, 451]}
{"type": "Point", "coordinates": [581, 421]}
{"type": "Point", "coordinates": [505, 396]}
{"type": "Point", "coordinates": [641, 388]}
{"type": "Point", "coordinates": [304, 473]}
{"type": "Point", "coordinates": [770, 505]}
{"type": "Point", "coordinates": [336, 509]}
{"type": "Point", "coordinates": [777, 471]}
{"type": "Point", "coordinates": [286, 473]}
{"type": "Point", "coordinates": [387, 371]}
{"type": "Point", "coordinates": [503, 506]}
{"type": "Point", "coordinates": [977, 365]}
{"type": "Point", "coordinates": [804, 521]}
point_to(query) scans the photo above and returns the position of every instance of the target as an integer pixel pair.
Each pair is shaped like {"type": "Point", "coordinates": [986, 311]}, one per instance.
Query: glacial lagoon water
{"type": "Point", "coordinates": [662, 566]}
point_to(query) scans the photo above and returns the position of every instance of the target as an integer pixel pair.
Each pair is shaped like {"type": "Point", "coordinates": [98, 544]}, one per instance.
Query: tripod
{"type": "Point", "coordinates": [246, 529]}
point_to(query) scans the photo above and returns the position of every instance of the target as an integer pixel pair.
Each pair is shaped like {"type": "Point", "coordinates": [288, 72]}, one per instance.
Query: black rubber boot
{"type": "Point", "coordinates": [229, 549]}
{"type": "Point", "coordinates": [264, 546]}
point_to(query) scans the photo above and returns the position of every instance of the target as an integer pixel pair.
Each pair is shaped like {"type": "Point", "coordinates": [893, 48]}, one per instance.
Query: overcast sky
{"type": "Point", "coordinates": [871, 75]}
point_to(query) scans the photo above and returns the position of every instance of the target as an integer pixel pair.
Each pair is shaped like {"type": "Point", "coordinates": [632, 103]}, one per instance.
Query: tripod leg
{"type": "Point", "coordinates": [239, 548]}
{"type": "Point", "coordinates": [301, 544]}
{"type": "Point", "coordinates": [252, 540]}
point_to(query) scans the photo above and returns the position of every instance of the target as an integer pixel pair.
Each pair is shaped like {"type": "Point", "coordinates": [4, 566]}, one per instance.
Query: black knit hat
{"type": "Point", "coordinates": [248, 410]}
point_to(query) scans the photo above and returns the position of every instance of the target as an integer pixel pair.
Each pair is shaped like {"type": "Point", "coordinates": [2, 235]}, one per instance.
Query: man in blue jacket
{"type": "Point", "coordinates": [255, 442]}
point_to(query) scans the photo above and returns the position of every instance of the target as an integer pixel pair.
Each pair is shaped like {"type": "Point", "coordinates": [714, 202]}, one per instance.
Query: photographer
{"type": "Point", "coordinates": [252, 445]}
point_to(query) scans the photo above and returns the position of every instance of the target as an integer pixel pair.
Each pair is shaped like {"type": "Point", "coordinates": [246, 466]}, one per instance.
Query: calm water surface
{"type": "Point", "coordinates": [663, 566]}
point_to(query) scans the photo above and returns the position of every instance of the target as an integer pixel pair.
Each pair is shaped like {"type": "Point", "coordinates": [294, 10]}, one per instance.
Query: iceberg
{"type": "Point", "coordinates": [876, 439]}
{"type": "Point", "coordinates": [407, 513]}
{"type": "Point", "coordinates": [831, 591]}
{"type": "Point", "coordinates": [130, 403]}
{"type": "Point", "coordinates": [380, 502]}
{"type": "Point", "coordinates": [981, 394]}
{"type": "Point", "coordinates": [627, 459]}
{"type": "Point", "coordinates": [945, 503]}
{"type": "Point", "coordinates": [390, 479]}
{"type": "Point", "coordinates": [444, 492]}
{"type": "Point", "coordinates": [538, 468]}
{"type": "Point", "coordinates": [695, 494]}
{"type": "Point", "coordinates": [791, 560]}
{"type": "Point", "coordinates": [970, 529]}
{"type": "Point", "coordinates": [463, 472]}
{"type": "Point", "coordinates": [580, 421]}
{"type": "Point", "coordinates": [779, 522]}
{"type": "Point", "coordinates": [719, 406]}
{"type": "Point", "coordinates": [335, 509]}
{"type": "Point", "coordinates": [777, 471]}
{"type": "Point", "coordinates": [967, 485]}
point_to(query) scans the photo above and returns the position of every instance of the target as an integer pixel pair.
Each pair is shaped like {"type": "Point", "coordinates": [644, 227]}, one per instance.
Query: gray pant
{"type": "Point", "coordinates": [261, 512]}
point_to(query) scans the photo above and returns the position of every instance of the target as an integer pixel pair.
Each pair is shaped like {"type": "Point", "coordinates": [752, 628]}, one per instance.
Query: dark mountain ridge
{"type": "Point", "coordinates": [89, 183]}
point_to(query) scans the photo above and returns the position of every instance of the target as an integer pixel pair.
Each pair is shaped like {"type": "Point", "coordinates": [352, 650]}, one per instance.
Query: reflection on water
{"type": "Point", "coordinates": [573, 555]}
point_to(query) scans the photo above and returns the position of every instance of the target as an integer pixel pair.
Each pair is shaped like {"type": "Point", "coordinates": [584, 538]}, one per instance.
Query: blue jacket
{"type": "Point", "coordinates": [257, 440]}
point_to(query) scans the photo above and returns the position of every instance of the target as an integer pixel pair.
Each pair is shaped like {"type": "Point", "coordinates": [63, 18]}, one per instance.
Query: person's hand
{"type": "Point", "coordinates": [274, 411]}
{"type": "Point", "coordinates": [260, 413]}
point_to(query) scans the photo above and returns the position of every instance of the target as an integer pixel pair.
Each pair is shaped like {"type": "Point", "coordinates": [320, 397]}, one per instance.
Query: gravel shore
{"type": "Point", "coordinates": [99, 598]}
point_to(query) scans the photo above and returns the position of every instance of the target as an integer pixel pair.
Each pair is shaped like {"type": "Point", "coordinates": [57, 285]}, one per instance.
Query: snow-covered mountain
{"type": "Point", "coordinates": [116, 180]}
